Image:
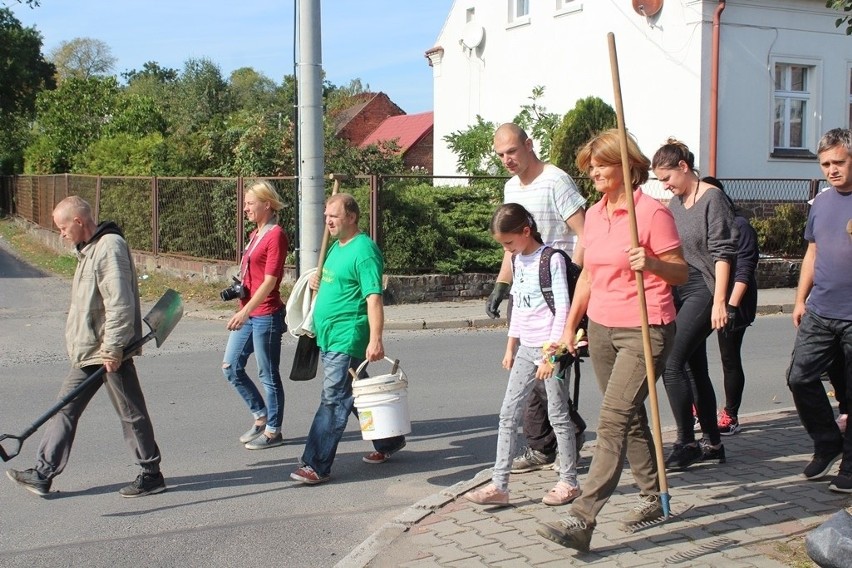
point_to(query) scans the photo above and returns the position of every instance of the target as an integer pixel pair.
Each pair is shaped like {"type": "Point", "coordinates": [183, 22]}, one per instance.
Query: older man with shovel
{"type": "Point", "coordinates": [104, 319]}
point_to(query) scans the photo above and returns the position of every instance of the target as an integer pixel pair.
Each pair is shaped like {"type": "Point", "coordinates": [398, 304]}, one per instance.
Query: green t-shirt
{"type": "Point", "coordinates": [350, 274]}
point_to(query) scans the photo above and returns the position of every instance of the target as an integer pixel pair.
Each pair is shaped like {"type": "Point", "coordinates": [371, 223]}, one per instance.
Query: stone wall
{"type": "Point", "coordinates": [771, 273]}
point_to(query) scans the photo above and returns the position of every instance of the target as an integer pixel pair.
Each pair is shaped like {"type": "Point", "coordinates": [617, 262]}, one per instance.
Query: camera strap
{"type": "Point", "coordinates": [255, 240]}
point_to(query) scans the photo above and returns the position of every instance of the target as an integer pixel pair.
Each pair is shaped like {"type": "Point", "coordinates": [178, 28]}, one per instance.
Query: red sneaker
{"type": "Point", "coordinates": [308, 476]}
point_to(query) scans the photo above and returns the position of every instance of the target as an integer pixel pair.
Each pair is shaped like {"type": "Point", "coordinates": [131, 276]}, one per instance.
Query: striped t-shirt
{"type": "Point", "coordinates": [551, 198]}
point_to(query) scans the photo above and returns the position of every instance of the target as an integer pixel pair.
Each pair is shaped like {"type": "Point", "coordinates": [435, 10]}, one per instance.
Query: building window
{"type": "Point", "coordinates": [793, 108]}
{"type": "Point", "coordinates": [568, 6]}
{"type": "Point", "coordinates": [519, 12]}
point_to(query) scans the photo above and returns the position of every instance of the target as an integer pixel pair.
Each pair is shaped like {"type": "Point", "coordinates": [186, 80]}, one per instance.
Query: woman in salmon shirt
{"type": "Point", "coordinates": [607, 291]}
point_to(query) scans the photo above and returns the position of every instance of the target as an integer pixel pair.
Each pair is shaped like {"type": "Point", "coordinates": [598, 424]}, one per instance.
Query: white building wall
{"type": "Point", "coordinates": [754, 35]}
{"type": "Point", "coordinates": [664, 66]}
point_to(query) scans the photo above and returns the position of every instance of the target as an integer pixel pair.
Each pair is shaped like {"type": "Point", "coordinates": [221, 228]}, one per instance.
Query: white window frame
{"type": "Point", "coordinates": [518, 13]}
{"type": "Point", "coordinates": [849, 106]}
{"type": "Point", "coordinates": [568, 7]}
{"type": "Point", "coordinates": [812, 98]}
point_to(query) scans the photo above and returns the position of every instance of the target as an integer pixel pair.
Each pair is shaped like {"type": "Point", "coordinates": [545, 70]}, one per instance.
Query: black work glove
{"type": "Point", "coordinates": [498, 294]}
{"type": "Point", "coordinates": [732, 318]}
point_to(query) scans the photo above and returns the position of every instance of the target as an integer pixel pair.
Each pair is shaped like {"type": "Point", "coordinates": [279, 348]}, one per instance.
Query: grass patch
{"type": "Point", "coordinates": [792, 552]}
{"type": "Point", "coordinates": [151, 286]}
{"type": "Point", "coordinates": [35, 253]}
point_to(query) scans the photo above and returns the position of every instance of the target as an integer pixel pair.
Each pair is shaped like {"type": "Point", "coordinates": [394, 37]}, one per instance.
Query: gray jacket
{"type": "Point", "coordinates": [104, 316]}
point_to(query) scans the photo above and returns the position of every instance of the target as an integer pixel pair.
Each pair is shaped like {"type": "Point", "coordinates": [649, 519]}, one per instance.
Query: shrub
{"type": "Point", "coordinates": [783, 233]}
{"type": "Point", "coordinates": [588, 117]}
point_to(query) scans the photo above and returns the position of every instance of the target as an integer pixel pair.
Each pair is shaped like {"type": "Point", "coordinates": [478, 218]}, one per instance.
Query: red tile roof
{"type": "Point", "coordinates": [406, 129]}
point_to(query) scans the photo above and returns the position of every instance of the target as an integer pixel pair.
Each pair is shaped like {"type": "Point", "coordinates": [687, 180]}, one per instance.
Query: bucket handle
{"type": "Point", "coordinates": [356, 372]}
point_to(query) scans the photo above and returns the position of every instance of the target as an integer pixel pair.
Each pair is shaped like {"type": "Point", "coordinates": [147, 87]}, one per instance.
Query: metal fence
{"type": "Point", "coordinates": [202, 218]}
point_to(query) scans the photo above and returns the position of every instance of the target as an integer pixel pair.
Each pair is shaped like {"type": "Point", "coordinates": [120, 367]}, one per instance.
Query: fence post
{"type": "Point", "coordinates": [813, 189]}
{"type": "Point", "coordinates": [240, 226]}
{"type": "Point", "coordinates": [97, 197]}
{"type": "Point", "coordinates": [155, 216]}
{"type": "Point", "coordinates": [375, 225]}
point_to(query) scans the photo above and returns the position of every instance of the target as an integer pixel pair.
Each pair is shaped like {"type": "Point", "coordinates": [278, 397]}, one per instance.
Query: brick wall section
{"type": "Point", "coordinates": [371, 116]}
{"type": "Point", "coordinates": [420, 154]}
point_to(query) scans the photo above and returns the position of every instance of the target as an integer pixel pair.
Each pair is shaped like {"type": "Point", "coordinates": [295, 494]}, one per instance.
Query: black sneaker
{"type": "Point", "coordinates": [31, 480]}
{"type": "Point", "coordinates": [711, 454]}
{"type": "Point", "coordinates": [144, 484]}
{"type": "Point", "coordinates": [728, 425]}
{"type": "Point", "coordinates": [683, 456]}
{"type": "Point", "coordinates": [570, 532]}
{"type": "Point", "coordinates": [842, 483]}
{"type": "Point", "coordinates": [820, 464]}
{"type": "Point", "coordinates": [532, 460]}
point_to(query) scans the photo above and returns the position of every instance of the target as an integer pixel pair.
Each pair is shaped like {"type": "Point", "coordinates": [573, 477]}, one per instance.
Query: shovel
{"type": "Point", "coordinates": [162, 319]}
{"type": "Point", "coordinates": [306, 358]}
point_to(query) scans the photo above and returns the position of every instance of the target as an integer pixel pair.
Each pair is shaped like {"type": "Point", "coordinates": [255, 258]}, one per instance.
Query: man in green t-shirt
{"type": "Point", "coordinates": [348, 321]}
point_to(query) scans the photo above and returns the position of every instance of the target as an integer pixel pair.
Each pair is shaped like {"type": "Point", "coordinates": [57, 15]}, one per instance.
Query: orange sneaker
{"type": "Point", "coordinates": [561, 494]}
{"type": "Point", "coordinates": [488, 495]}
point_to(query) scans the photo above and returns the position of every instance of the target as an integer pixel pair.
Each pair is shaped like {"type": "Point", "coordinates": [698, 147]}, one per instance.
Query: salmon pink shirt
{"type": "Point", "coordinates": [614, 299]}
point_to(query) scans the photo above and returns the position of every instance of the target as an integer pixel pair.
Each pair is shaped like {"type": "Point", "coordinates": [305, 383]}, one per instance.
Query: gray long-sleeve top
{"type": "Point", "coordinates": [707, 232]}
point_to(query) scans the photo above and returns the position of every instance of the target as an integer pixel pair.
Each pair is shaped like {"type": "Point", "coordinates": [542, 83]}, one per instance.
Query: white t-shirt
{"type": "Point", "coordinates": [532, 321]}
{"type": "Point", "coordinates": [552, 197]}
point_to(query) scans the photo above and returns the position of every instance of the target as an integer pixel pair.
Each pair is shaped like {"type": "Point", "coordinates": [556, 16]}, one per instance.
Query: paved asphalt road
{"type": "Point", "coordinates": [227, 505]}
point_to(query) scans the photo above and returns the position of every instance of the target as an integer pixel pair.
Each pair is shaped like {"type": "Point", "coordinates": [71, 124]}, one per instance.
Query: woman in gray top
{"type": "Point", "coordinates": [705, 221]}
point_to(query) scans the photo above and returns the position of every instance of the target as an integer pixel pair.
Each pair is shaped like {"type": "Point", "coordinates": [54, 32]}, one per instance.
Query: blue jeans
{"type": "Point", "coordinates": [336, 404]}
{"type": "Point", "coordinates": [815, 347]}
{"type": "Point", "coordinates": [260, 335]}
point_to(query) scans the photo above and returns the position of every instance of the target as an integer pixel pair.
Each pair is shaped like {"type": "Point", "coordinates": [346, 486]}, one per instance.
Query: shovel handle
{"type": "Point", "coordinates": [68, 397]}
{"type": "Point", "coordinates": [7, 455]}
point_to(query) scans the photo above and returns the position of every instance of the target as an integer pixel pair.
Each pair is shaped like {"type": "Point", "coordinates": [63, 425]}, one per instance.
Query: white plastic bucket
{"type": "Point", "coordinates": [382, 403]}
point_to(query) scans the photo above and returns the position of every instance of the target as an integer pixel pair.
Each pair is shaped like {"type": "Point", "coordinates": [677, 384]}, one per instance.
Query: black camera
{"type": "Point", "coordinates": [234, 291]}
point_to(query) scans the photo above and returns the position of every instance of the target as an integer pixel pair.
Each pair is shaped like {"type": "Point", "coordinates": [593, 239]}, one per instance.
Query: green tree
{"type": "Point", "coordinates": [845, 6]}
{"type": "Point", "coordinates": [538, 123]}
{"type": "Point", "coordinates": [24, 73]}
{"type": "Point", "coordinates": [197, 106]}
{"type": "Point", "coordinates": [251, 90]}
{"type": "Point", "coordinates": [151, 71]}
{"type": "Point", "coordinates": [70, 118]}
{"type": "Point", "coordinates": [474, 148]}
{"type": "Point", "coordinates": [262, 144]}
{"type": "Point", "coordinates": [123, 155]}
{"type": "Point", "coordinates": [82, 58]}
{"type": "Point", "coordinates": [588, 117]}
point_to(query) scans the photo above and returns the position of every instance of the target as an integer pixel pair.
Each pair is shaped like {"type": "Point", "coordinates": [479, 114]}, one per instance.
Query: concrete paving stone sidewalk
{"type": "Point", "coordinates": [752, 511]}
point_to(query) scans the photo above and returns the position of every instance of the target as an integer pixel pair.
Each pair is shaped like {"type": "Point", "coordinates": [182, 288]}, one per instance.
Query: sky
{"type": "Point", "coordinates": [380, 42]}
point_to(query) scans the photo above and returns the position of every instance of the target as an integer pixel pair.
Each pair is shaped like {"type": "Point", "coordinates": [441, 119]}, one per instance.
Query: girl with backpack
{"type": "Point", "coordinates": [532, 326]}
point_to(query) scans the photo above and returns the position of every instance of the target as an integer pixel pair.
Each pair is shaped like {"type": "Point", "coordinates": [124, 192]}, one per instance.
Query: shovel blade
{"type": "Point", "coordinates": [164, 316]}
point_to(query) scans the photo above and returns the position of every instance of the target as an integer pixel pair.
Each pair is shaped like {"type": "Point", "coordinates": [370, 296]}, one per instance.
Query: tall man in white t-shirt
{"type": "Point", "coordinates": [558, 208]}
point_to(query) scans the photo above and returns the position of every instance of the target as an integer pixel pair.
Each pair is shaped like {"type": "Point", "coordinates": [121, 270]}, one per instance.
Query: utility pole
{"type": "Point", "coordinates": [311, 150]}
